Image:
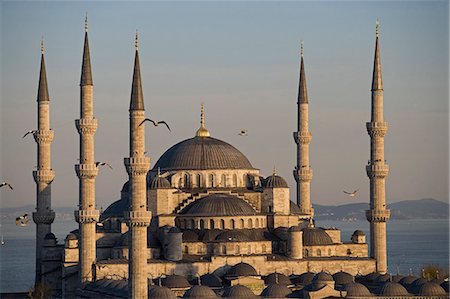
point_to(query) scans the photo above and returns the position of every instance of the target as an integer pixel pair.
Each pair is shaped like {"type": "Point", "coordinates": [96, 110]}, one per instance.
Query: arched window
{"type": "Point", "coordinates": [245, 180]}
{"type": "Point", "coordinates": [264, 249]}
{"type": "Point", "coordinates": [238, 249]}
{"type": "Point", "coordinates": [257, 223]}
{"type": "Point", "coordinates": [349, 252]}
{"type": "Point", "coordinates": [211, 224]}
{"type": "Point", "coordinates": [118, 224]}
{"type": "Point", "coordinates": [180, 183]}
{"type": "Point", "coordinates": [242, 223]}
{"type": "Point", "coordinates": [186, 249]}
{"type": "Point", "coordinates": [222, 224]}
{"type": "Point", "coordinates": [199, 180]}
{"type": "Point", "coordinates": [192, 223]}
{"type": "Point", "coordinates": [224, 249]}
{"type": "Point", "coordinates": [232, 224]}
{"type": "Point", "coordinates": [306, 253]}
{"type": "Point", "coordinates": [202, 224]}
{"type": "Point", "coordinates": [224, 180]}
{"type": "Point", "coordinates": [235, 182]}
{"type": "Point", "coordinates": [250, 223]}
{"type": "Point", "coordinates": [199, 249]}
{"type": "Point", "coordinates": [211, 180]}
{"type": "Point", "coordinates": [187, 181]}
{"type": "Point", "coordinates": [329, 252]}
{"type": "Point", "coordinates": [319, 253]}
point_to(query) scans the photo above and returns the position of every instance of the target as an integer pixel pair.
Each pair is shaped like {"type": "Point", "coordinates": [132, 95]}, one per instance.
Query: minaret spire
{"type": "Point", "coordinates": [137, 97]}
{"type": "Point", "coordinates": [377, 169]}
{"type": "Point", "coordinates": [202, 131]}
{"type": "Point", "coordinates": [303, 171]}
{"type": "Point", "coordinates": [86, 72]}
{"type": "Point", "coordinates": [44, 175]}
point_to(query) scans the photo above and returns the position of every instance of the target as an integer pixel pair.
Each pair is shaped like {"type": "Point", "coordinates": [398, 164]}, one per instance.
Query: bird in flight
{"type": "Point", "coordinates": [6, 184]}
{"type": "Point", "coordinates": [29, 132]}
{"type": "Point", "coordinates": [155, 123]}
{"type": "Point", "coordinates": [22, 220]}
{"type": "Point", "coordinates": [351, 194]}
{"type": "Point", "coordinates": [243, 133]}
{"type": "Point", "coordinates": [97, 164]}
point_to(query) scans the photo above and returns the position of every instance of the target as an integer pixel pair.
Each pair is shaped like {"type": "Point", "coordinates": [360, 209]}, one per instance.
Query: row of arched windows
{"type": "Point", "coordinates": [318, 252]}
{"type": "Point", "coordinates": [211, 181]}
{"type": "Point", "coordinates": [221, 223]}
{"type": "Point", "coordinates": [230, 250]}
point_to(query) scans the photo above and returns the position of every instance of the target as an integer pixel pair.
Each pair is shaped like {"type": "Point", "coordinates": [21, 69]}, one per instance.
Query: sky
{"type": "Point", "coordinates": [241, 59]}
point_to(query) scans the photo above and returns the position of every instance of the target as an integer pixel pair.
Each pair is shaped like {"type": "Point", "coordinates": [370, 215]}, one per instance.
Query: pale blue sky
{"type": "Point", "coordinates": [241, 59]}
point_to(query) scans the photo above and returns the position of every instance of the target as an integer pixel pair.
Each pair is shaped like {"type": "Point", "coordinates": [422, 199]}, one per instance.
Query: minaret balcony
{"type": "Point", "coordinates": [86, 171]}
{"type": "Point", "coordinates": [377, 129]}
{"type": "Point", "coordinates": [137, 165]}
{"type": "Point", "coordinates": [44, 217]}
{"type": "Point", "coordinates": [87, 216]}
{"type": "Point", "coordinates": [43, 136]}
{"type": "Point", "coordinates": [86, 125]}
{"type": "Point", "coordinates": [302, 137]}
{"type": "Point", "coordinates": [304, 174]}
{"type": "Point", "coordinates": [378, 215]}
{"type": "Point", "coordinates": [377, 170]}
{"type": "Point", "coordinates": [43, 176]}
{"type": "Point", "coordinates": [138, 218]}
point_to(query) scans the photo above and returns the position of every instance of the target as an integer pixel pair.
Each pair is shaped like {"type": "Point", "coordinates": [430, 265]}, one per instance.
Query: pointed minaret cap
{"type": "Point", "coordinates": [86, 73]}
{"type": "Point", "coordinates": [137, 96]}
{"type": "Point", "coordinates": [377, 82]}
{"type": "Point", "coordinates": [302, 92]}
{"type": "Point", "coordinates": [202, 131]}
{"type": "Point", "coordinates": [42, 88]}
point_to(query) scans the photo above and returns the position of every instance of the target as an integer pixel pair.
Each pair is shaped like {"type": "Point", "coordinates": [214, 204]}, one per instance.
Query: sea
{"type": "Point", "coordinates": [412, 244]}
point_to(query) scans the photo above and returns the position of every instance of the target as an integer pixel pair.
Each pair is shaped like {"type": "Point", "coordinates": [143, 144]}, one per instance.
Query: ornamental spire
{"type": "Point", "coordinates": [202, 131]}
{"type": "Point", "coordinates": [302, 92]}
{"type": "Point", "coordinates": [377, 82]}
{"type": "Point", "coordinates": [86, 73]}
{"type": "Point", "coordinates": [137, 96]}
{"type": "Point", "coordinates": [42, 89]}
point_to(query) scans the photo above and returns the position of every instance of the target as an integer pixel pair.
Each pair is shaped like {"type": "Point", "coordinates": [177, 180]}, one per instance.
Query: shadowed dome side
{"type": "Point", "coordinates": [200, 292]}
{"type": "Point", "coordinates": [233, 235]}
{"type": "Point", "coordinates": [158, 292]}
{"type": "Point", "coordinates": [276, 291]}
{"type": "Point", "coordinates": [218, 205]}
{"type": "Point", "coordinates": [238, 291]}
{"type": "Point", "coordinates": [159, 183]}
{"type": "Point", "coordinates": [277, 278]}
{"type": "Point", "coordinates": [316, 236]}
{"type": "Point", "coordinates": [241, 269]}
{"type": "Point", "coordinates": [175, 281]}
{"type": "Point", "coordinates": [430, 289]}
{"type": "Point", "coordinates": [116, 209]}
{"type": "Point", "coordinates": [355, 289]}
{"type": "Point", "coordinates": [211, 280]}
{"type": "Point", "coordinates": [342, 278]}
{"type": "Point", "coordinates": [202, 153]}
{"type": "Point", "coordinates": [274, 181]}
{"type": "Point", "coordinates": [406, 281]}
{"type": "Point", "coordinates": [392, 289]}
{"type": "Point", "coordinates": [303, 279]}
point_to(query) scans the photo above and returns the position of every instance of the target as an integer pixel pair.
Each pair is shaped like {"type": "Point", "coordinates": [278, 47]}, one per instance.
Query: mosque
{"type": "Point", "coordinates": [203, 222]}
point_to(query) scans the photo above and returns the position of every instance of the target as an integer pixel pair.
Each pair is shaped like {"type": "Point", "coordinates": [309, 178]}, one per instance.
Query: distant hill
{"type": "Point", "coordinates": [408, 209]}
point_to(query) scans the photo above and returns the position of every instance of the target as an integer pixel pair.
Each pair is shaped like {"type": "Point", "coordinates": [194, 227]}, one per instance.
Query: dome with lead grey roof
{"type": "Point", "coordinates": [323, 276]}
{"type": "Point", "coordinates": [358, 233]}
{"type": "Point", "coordinates": [276, 291]}
{"type": "Point", "coordinates": [444, 285]}
{"type": "Point", "coordinates": [405, 281]}
{"type": "Point", "coordinates": [158, 292]}
{"type": "Point", "coordinates": [342, 278]}
{"type": "Point", "coordinates": [274, 181]}
{"type": "Point", "coordinates": [383, 278]}
{"type": "Point", "coordinates": [241, 269]}
{"type": "Point", "coordinates": [202, 153]}
{"type": "Point", "coordinates": [238, 291]}
{"type": "Point", "coordinates": [71, 236]}
{"type": "Point", "coordinates": [430, 289]}
{"type": "Point", "coordinates": [315, 236]}
{"type": "Point", "coordinates": [175, 281]}
{"type": "Point", "coordinates": [277, 278]}
{"type": "Point", "coordinates": [159, 182]}
{"type": "Point", "coordinates": [200, 292]}
{"type": "Point", "coordinates": [116, 209]}
{"type": "Point", "coordinates": [233, 236]}
{"type": "Point", "coordinates": [190, 236]}
{"type": "Point", "coordinates": [211, 280]}
{"type": "Point", "coordinates": [303, 279]}
{"type": "Point", "coordinates": [392, 289]}
{"type": "Point", "coordinates": [218, 205]}
{"type": "Point", "coordinates": [355, 289]}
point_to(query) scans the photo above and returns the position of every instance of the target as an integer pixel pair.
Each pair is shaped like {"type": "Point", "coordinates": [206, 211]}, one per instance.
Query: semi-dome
{"type": "Point", "coordinates": [202, 153]}
{"type": "Point", "coordinates": [277, 278]}
{"type": "Point", "coordinates": [190, 236]}
{"type": "Point", "coordinates": [159, 182]}
{"type": "Point", "coordinates": [211, 280]}
{"type": "Point", "coordinates": [218, 205]}
{"type": "Point", "coordinates": [200, 292]}
{"type": "Point", "coordinates": [392, 289]}
{"type": "Point", "coordinates": [116, 209]}
{"type": "Point", "coordinates": [315, 236]}
{"type": "Point", "coordinates": [241, 269]}
{"type": "Point", "coordinates": [175, 282]}
{"type": "Point", "coordinates": [238, 291]}
{"type": "Point", "coordinates": [160, 293]}
{"type": "Point", "coordinates": [274, 181]}
{"type": "Point", "coordinates": [430, 289]}
{"type": "Point", "coordinates": [342, 278]}
{"type": "Point", "coordinates": [355, 289]}
{"type": "Point", "coordinates": [276, 291]}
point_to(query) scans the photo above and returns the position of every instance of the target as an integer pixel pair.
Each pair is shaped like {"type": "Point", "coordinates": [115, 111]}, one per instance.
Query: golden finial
{"type": "Point", "coordinates": [136, 40]}
{"type": "Point", "coordinates": [377, 27]}
{"type": "Point", "coordinates": [42, 45]}
{"type": "Point", "coordinates": [159, 172]}
{"type": "Point", "coordinates": [202, 131]}
{"type": "Point", "coordinates": [301, 49]}
{"type": "Point", "coordinates": [311, 223]}
{"type": "Point", "coordinates": [274, 169]}
{"type": "Point", "coordinates": [86, 23]}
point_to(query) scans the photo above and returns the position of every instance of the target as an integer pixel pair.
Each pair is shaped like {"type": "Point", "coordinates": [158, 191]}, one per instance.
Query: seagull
{"type": "Point", "coordinates": [22, 220]}
{"type": "Point", "coordinates": [351, 194]}
{"type": "Point", "coordinates": [97, 164]}
{"type": "Point", "coordinates": [155, 123]}
{"type": "Point", "coordinates": [29, 132]}
{"type": "Point", "coordinates": [243, 133]}
{"type": "Point", "coordinates": [6, 184]}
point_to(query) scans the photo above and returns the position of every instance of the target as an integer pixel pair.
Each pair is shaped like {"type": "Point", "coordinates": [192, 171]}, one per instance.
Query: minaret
{"type": "Point", "coordinates": [303, 171]}
{"type": "Point", "coordinates": [137, 165]}
{"type": "Point", "coordinates": [87, 216]}
{"type": "Point", "coordinates": [43, 176]}
{"type": "Point", "coordinates": [377, 169]}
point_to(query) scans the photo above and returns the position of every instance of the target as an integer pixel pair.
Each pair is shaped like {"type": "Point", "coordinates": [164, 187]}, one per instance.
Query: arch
{"type": "Point", "coordinates": [242, 223]}
{"type": "Point", "coordinates": [187, 180]}
{"type": "Point", "coordinates": [211, 223]}
{"type": "Point", "coordinates": [232, 224]}
{"type": "Point", "coordinates": [257, 223]}
{"type": "Point", "coordinates": [180, 183]}
{"type": "Point", "coordinates": [264, 248]}
{"type": "Point", "coordinates": [250, 223]}
{"type": "Point", "coordinates": [224, 180]}
{"type": "Point", "coordinates": [186, 249]}
{"type": "Point", "coordinates": [235, 180]}
{"type": "Point", "coordinates": [238, 249]}
{"type": "Point", "coordinates": [319, 252]}
{"type": "Point", "coordinates": [192, 223]}
{"type": "Point", "coordinates": [306, 253]}
{"type": "Point", "coordinates": [202, 224]}
{"type": "Point", "coordinates": [224, 249]}
{"type": "Point", "coordinates": [329, 252]}
{"type": "Point", "coordinates": [211, 180]}
{"type": "Point", "coordinates": [199, 249]}
{"type": "Point", "coordinates": [199, 180]}
{"type": "Point", "coordinates": [222, 224]}
{"type": "Point", "coordinates": [245, 180]}
{"type": "Point", "coordinates": [349, 252]}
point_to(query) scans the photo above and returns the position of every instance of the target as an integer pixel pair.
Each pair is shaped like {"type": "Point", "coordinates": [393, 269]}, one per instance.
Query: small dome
{"type": "Point", "coordinates": [274, 181]}
{"type": "Point", "coordinates": [211, 280]}
{"type": "Point", "coordinates": [218, 205]}
{"type": "Point", "coordinates": [315, 236]}
{"type": "Point", "coordinates": [371, 276]}
{"type": "Point", "coordinates": [323, 277]}
{"type": "Point", "coordinates": [430, 289]}
{"type": "Point", "coordinates": [50, 236]}
{"type": "Point", "coordinates": [190, 236]}
{"type": "Point", "coordinates": [397, 278]}
{"type": "Point", "coordinates": [444, 285]}
{"type": "Point", "coordinates": [406, 281]}
{"type": "Point", "coordinates": [392, 289]}
{"type": "Point", "coordinates": [342, 278]}
{"type": "Point", "coordinates": [200, 292]}
{"type": "Point", "coordinates": [439, 281]}
{"type": "Point", "coordinates": [174, 230]}
{"type": "Point", "coordinates": [358, 233]}
{"type": "Point", "coordinates": [295, 229]}
{"type": "Point", "coordinates": [232, 236]}
{"type": "Point", "coordinates": [383, 278]}
{"type": "Point", "coordinates": [304, 278]}
{"type": "Point", "coordinates": [416, 284]}
{"type": "Point", "coordinates": [158, 292]}
{"type": "Point", "coordinates": [71, 236]}
{"type": "Point", "coordinates": [276, 291]}
{"type": "Point", "coordinates": [175, 282]}
{"type": "Point", "coordinates": [241, 269]}
{"type": "Point", "coordinates": [159, 182]}
{"type": "Point", "coordinates": [116, 209]}
{"type": "Point", "coordinates": [208, 235]}
{"type": "Point", "coordinates": [355, 289]}
{"type": "Point", "coordinates": [277, 278]}
{"type": "Point", "coordinates": [238, 291]}
{"type": "Point", "coordinates": [282, 233]}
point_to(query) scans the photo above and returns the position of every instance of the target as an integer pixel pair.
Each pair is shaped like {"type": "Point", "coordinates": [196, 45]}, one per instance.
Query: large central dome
{"type": "Point", "coordinates": [201, 153]}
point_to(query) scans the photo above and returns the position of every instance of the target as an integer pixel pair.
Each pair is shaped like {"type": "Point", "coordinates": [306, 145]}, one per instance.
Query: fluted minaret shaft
{"type": "Point", "coordinates": [43, 176]}
{"type": "Point", "coordinates": [377, 169]}
{"type": "Point", "coordinates": [137, 166]}
{"type": "Point", "coordinates": [303, 171]}
{"type": "Point", "coordinates": [87, 215]}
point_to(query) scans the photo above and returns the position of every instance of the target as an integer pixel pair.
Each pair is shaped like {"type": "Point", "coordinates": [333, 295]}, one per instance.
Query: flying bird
{"type": "Point", "coordinates": [97, 164]}
{"type": "Point", "coordinates": [155, 123]}
{"type": "Point", "coordinates": [6, 184]}
{"type": "Point", "coordinates": [243, 133]}
{"type": "Point", "coordinates": [22, 220]}
{"type": "Point", "coordinates": [29, 132]}
{"type": "Point", "coordinates": [351, 194]}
